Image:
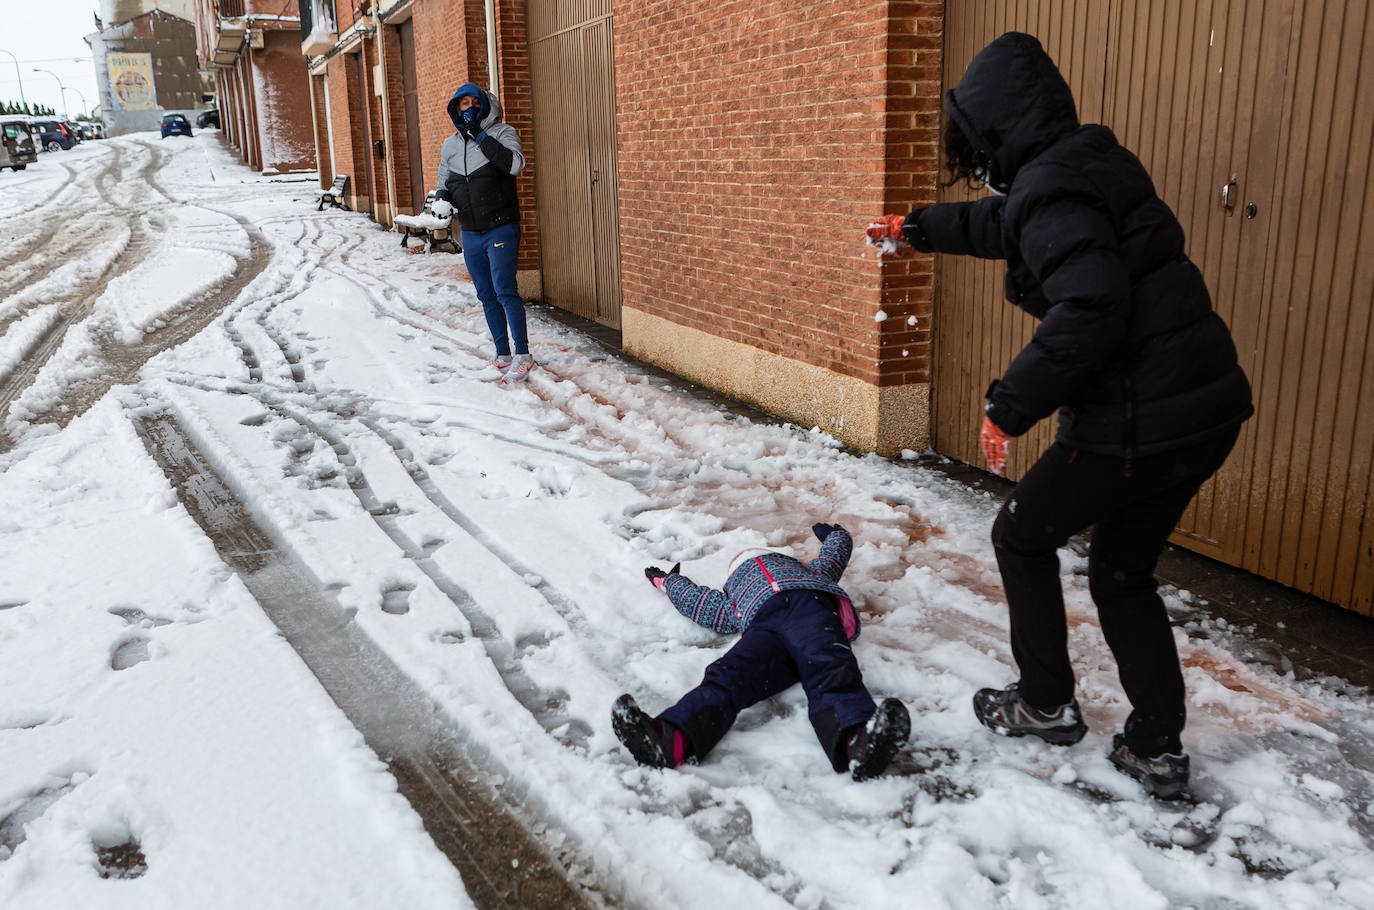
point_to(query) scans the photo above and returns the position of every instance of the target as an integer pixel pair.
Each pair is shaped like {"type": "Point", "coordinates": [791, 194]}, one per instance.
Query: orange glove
{"type": "Point", "coordinates": [994, 443]}
{"type": "Point", "coordinates": [888, 227]}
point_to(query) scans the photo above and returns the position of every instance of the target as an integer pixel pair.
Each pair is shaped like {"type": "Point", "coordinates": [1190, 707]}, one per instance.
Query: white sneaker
{"type": "Point", "coordinates": [494, 369]}
{"type": "Point", "coordinates": [520, 369]}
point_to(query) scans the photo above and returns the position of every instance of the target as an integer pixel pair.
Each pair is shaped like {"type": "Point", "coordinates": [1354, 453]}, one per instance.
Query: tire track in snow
{"type": "Point", "coordinates": [940, 773]}
{"type": "Point", "coordinates": [546, 706]}
{"type": "Point", "coordinates": [26, 373]}
{"type": "Point", "coordinates": [502, 864]}
{"type": "Point", "coordinates": [52, 197]}
{"type": "Point", "coordinates": [122, 362]}
{"type": "Point", "coordinates": [722, 823]}
{"type": "Point", "coordinates": [43, 233]}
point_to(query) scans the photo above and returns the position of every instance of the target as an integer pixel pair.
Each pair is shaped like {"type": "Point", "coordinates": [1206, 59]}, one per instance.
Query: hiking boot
{"type": "Point", "coordinates": [519, 369]}
{"type": "Point", "coordinates": [875, 744]}
{"type": "Point", "coordinates": [495, 369]}
{"type": "Point", "coordinates": [1164, 776]}
{"type": "Point", "coordinates": [652, 742]}
{"type": "Point", "coordinates": [1004, 711]}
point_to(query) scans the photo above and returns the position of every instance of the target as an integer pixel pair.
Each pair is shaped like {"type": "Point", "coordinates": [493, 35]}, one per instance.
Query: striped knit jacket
{"type": "Point", "coordinates": [758, 579]}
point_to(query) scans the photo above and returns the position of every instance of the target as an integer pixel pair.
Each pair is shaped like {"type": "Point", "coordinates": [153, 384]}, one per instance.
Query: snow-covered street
{"type": "Point", "coordinates": [164, 742]}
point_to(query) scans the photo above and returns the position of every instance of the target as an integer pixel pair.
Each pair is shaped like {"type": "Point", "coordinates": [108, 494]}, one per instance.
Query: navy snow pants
{"type": "Point", "coordinates": [795, 637]}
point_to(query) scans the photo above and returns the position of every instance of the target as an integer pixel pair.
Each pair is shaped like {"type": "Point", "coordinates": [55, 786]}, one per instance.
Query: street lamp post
{"type": "Point", "coordinates": [84, 112]}
{"type": "Point", "coordinates": [17, 73]}
{"type": "Point", "coordinates": [60, 86]}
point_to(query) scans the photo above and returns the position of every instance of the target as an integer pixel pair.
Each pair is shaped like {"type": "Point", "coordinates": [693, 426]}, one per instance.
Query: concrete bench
{"type": "Point", "coordinates": [435, 231]}
{"type": "Point", "coordinates": [334, 196]}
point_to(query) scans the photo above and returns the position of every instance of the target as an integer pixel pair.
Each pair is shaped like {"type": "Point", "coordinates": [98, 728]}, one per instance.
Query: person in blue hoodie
{"type": "Point", "coordinates": [795, 624]}
{"type": "Point", "coordinates": [478, 165]}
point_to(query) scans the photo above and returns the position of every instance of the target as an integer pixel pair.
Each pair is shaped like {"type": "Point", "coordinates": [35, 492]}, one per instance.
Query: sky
{"type": "Point", "coordinates": [48, 35]}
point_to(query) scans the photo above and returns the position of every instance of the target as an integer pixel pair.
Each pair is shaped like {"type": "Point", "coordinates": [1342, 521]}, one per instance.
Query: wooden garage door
{"type": "Point", "coordinates": [1270, 100]}
{"type": "Point", "coordinates": [576, 192]}
{"type": "Point", "coordinates": [976, 332]}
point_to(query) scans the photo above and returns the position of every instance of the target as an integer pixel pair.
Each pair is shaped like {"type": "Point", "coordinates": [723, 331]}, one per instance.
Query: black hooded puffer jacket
{"type": "Point", "coordinates": [1129, 348]}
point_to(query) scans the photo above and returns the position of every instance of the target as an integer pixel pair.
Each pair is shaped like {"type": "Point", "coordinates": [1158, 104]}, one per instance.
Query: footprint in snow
{"type": "Point", "coordinates": [396, 601]}
{"type": "Point", "coordinates": [128, 653]}
{"type": "Point", "coordinates": [122, 859]}
{"type": "Point", "coordinates": [14, 825]}
{"type": "Point", "coordinates": [133, 616]}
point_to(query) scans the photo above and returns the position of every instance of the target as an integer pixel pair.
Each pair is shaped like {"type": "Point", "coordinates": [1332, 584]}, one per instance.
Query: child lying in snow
{"type": "Point", "coordinates": [796, 624]}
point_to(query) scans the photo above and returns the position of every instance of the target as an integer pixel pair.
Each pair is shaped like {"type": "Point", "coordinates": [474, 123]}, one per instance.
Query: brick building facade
{"type": "Point", "coordinates": [177, 82]}
{"type": "Point", "coordinates": [752, 143]}
{"type": "Point", "coordinates": [261, 86]}
{"type": "Point", "coordinates": [756, 142]}
{"type": "Point", "coordinates": [362, 60]}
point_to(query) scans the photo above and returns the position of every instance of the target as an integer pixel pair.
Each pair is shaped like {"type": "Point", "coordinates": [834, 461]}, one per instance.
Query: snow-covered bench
{"type": "Point", "coordinates": [334, 195]}
{"type": "Point", "coordinates": [435, 231]}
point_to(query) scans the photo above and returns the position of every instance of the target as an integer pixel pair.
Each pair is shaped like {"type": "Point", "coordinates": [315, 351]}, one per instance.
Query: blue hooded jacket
{"type": "Point", "coordinates": [758, 579]}
{"type": "Point", "coordinates": [477, 170]}
{"type": "Point", "coordinates": [468, 90]}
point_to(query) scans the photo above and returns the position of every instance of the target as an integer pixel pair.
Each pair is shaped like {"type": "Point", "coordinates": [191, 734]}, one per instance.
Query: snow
{"type": "Point", "coordinates": [490, 541]}
{"type": "Point", "coordinates": [424, 220]}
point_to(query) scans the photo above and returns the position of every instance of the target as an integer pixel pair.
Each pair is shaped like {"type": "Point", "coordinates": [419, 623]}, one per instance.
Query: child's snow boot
{"type": "Point", "coordinates": [1164, 776]}
{"type": "Point", "coordinates": [1004, 711]}
{"type": "Point", "coordinates": [875, 744]}
{"type": "Point", "coordinates": [648, 739]}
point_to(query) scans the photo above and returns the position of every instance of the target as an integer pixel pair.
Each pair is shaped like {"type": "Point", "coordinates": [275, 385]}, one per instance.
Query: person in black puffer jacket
{"type": "Point", "coordinates": [1143, 372]}
{"type": "Point", "coordinates": [478, 165]}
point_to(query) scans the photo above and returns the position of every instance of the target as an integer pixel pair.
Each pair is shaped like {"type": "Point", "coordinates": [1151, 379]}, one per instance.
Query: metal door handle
{"type": "Point", "coordinates": [1228, 192]}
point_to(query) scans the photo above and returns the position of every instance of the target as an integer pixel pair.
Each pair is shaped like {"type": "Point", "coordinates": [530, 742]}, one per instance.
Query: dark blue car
{"type": "Point", "coordinates": [175, 124]}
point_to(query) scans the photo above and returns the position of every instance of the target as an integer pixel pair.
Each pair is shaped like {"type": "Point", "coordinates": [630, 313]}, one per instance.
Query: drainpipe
{"type": "Point", "coordinates": [491, 48]}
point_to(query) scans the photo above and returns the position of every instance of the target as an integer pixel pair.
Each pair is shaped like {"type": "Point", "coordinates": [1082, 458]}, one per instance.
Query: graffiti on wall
{"type": "Point", "coordinates": [131, 81]}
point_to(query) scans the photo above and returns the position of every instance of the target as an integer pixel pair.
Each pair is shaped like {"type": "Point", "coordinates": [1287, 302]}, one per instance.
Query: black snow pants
{"type": "Point", "coordinates": [1132, 508]}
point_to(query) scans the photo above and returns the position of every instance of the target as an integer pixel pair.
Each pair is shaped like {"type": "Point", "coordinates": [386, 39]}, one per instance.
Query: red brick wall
{"type": "Point", "coordinates": [513, 70]}
{"type": "Point", "coordinates": [321, 131]}
{"type": "Point", "coordinates": [251, 148]}
{"type": "Point", "coordinates": [282, 92]}
{"type": "Point", "coordinates": [343, 15]}
{"type": "Point", "coordinates": [396, 117]}
{"type": "Point", "coordinates": [343, 81]}
{"type": "Point", "coordinates": [381, 193]}
{"type": "Point", "coordinates": [914, 60]}
{"type": "Point", "coordinates": [441, 65]}
{"type": "Point", "coordinates": [753, 150]}
{"type": "Point", "coordinates": [228, 106]}
{"type": "Point", "coordinates": [450, 49]}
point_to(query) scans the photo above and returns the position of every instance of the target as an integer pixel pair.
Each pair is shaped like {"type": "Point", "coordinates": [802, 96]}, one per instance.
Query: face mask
{"type": "Point", "coordinates": [470, 115]}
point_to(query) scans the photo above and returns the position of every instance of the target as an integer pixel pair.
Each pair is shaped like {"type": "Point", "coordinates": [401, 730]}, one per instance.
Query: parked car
{"type": "Point", "coordinates": [53, 135]}
{"type": "Point", "coordinates": [16, 143]}
{"type": "Point", "coordinates": [174, 125]}
{"type": "Point", "coordinates": [97, 130]}
{"type": "Point", "coordinates": [208, 118]}
{"type": "Point", "coordinates": [75, 129]}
